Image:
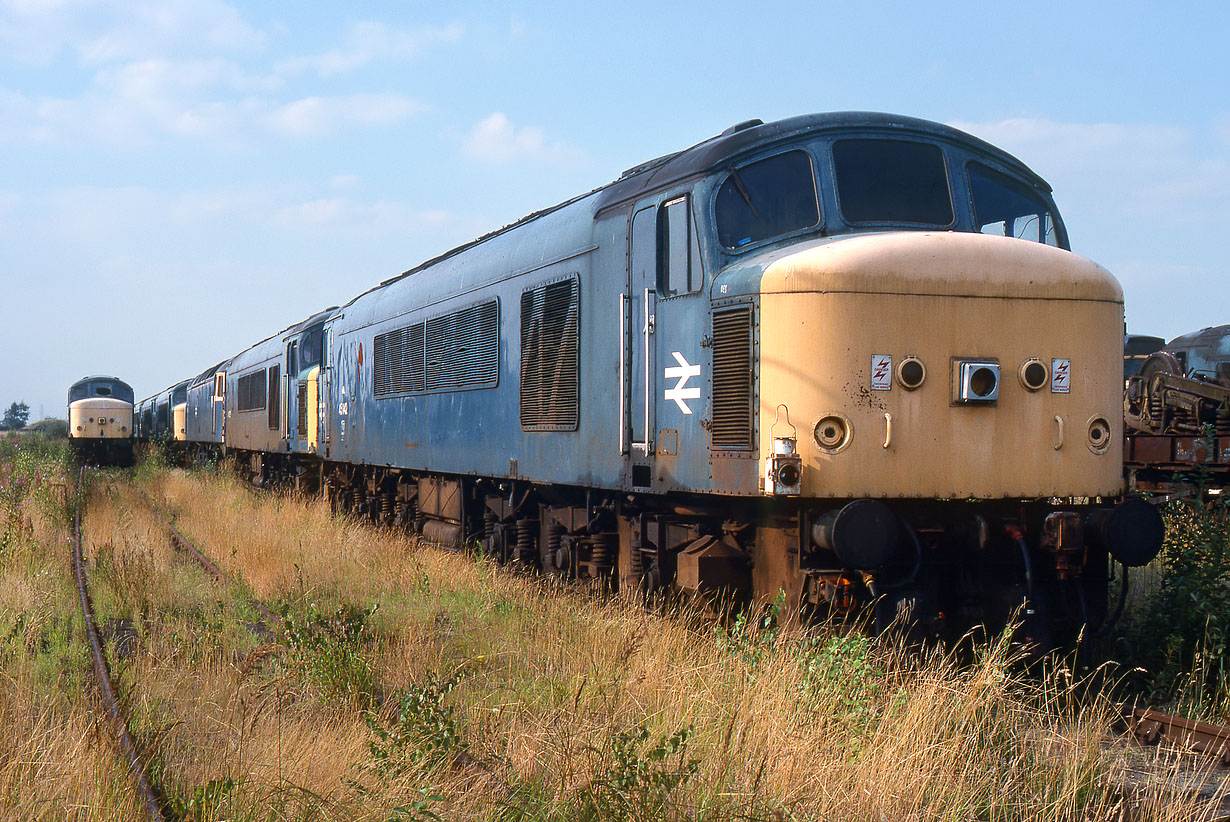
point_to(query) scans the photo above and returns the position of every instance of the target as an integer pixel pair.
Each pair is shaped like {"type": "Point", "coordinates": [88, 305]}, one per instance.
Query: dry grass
{"type": "Point", "coordinates": [408, 682]}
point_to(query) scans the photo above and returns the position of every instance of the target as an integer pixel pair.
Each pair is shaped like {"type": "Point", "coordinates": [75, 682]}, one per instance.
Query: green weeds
{"type": "Point", "coordinates": [329, 649]}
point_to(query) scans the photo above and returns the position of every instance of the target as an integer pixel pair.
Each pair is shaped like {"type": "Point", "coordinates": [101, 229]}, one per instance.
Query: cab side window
{"type": "Point", "coordinates": [679, 266]}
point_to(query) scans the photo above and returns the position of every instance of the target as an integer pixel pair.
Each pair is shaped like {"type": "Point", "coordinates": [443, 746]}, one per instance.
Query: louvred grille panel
{"type": "Point", "coordinates": [550, 357]}
{"type": "Point", "coordinates": [732, 378]}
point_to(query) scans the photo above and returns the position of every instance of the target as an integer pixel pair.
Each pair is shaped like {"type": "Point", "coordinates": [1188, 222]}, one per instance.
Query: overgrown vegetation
{"type": "Point", "coordinates": [402, 682]}
{"type": "Point", "coordinates": [1180, 633]}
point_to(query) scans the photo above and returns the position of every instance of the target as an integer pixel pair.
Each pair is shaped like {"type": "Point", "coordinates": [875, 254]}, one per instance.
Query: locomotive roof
{"type": "Point", "coordinates": [714, 152]}
{"type": "Point", "coordinates": [101, 377]}
{"type": "Point", "coordinates": [1214, 337]}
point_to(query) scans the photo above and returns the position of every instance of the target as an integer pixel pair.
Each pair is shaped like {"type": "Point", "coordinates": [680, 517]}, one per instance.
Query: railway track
{"type": "Point", "coordinates": [1150, 727]}
{"type": "Point", "coordinates": [186, 546]}
{"type": "Point", "coordinates": [149, 799]}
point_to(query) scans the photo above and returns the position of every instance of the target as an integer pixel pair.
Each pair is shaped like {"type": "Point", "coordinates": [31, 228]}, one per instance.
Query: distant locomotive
{"type": "Point", "coordinates": [1177, 410]}
{"type": "Point", "coordinates": [100, 420]}
{"type": "Point", "coordinates": [848, 357]}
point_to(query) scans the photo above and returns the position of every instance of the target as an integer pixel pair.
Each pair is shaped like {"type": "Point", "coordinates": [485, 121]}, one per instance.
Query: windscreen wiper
{"type": "Point", "coordinates": [734, 175]}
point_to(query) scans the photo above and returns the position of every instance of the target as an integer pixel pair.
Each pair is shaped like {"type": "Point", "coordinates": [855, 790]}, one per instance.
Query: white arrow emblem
{"type": "Point", "coordinates": [684, 372]}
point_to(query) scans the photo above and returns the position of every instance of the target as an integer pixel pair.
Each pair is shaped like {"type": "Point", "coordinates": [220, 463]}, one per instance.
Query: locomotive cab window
{"type": "Point", "coordinates": [767, 198]}
{"type": "Point", "coordinates": [892, 181]}
{"type": "Point", "coordinates": [1005, 207]}
{"type": "Point", "coordinates": [679, 266]}
{"type": "Point", "coordinates": [311, 349]}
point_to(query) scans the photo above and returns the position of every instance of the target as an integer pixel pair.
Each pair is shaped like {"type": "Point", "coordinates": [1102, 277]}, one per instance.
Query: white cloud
{"type": "Point", "coordinates": [1136, 171]}
{"type": "Point", "coordinates": [316, 116]}
{"type": "Point", "coordinates": [495, 139]}
{"type": "Point", "coordinates": [138, 104]}
{"type": "Point", "coordinates": [369, 42]}
{"type": "Point", "coordinates": [97, 31]}
{"type": "Point", "coordinates": [345, 181]}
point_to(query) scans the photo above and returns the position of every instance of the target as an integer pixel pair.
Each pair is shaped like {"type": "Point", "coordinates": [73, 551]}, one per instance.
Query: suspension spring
{"type": "Point", "coordinates": [599, 552]}
{"type": "Point", "coordinates": [527, 551]}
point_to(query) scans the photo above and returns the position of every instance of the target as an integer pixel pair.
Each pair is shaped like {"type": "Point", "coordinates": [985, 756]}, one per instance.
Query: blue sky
{"type": "Point", "coordinates": [194, 175]}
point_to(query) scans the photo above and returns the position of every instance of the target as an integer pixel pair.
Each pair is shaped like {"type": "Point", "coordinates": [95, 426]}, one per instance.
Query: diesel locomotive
{"type": "Point", "coordinates": [847, 357]}
{"type": "Point", "coordinates": [100, 420]}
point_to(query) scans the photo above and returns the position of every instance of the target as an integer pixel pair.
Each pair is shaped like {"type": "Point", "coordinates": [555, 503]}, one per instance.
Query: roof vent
{"type": "Point", "coordinates": [737, 127]}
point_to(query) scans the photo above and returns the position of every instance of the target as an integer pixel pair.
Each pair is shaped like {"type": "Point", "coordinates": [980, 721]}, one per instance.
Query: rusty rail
{"type": "Point", "coordinates": [136, 767]}
{"type": "Point", "coordinates": [1150, 727]}
{"type": "Point", "coordinates": [205, 562]}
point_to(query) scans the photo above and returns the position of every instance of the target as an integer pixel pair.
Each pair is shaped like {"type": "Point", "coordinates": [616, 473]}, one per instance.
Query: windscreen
{"type": "Point", "coordinates": [892, 181]}
{"type": "Point", "coordinates": [768, 198]}
{"type": "Point", "coordinates": [1006, 207]}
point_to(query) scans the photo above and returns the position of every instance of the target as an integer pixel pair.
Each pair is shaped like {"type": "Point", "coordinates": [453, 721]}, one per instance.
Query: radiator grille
{"type": "Point", "coordinates": [449, 353]}
{"type": "Point", "coordinates": [732, 378]}
{"type": "Point", "coordinates": [463, 348]}
{"type": "Point", "coordinates": [303, 410]}
{"type": "Point", "coordinates": [550, 356]}
{"type": "Point", "coordinates": [397, 365]}
{"type": "Point", "coordinates": [275, 396]}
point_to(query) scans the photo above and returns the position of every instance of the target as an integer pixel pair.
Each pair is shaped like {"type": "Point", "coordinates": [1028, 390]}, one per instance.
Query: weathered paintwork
{"type": "Point", "coordinates": [823, 306]}
{"type": "Point", "coordinates": [100, 407]}
{"type": "Point", "coordinates": [1206, 353]}
{"type": "Point", "coordinates": [827, 309]}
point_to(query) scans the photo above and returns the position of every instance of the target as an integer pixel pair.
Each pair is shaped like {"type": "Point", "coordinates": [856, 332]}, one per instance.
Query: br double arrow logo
{"type": "Point", "coordinates": [683, 372]}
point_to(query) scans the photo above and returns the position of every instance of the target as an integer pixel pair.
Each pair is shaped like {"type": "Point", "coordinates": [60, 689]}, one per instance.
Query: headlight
{"type": "Point", "coordinates": [976, 382]}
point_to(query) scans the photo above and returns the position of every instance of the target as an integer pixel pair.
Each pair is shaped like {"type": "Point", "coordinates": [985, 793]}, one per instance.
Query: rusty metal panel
{"type": "Point", "coordinates": [1150, 449]}
{"type": "Point", "coordinates": [440, 498]}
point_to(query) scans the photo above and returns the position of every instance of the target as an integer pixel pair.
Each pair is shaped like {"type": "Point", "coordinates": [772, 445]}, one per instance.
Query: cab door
{"type": "Point", "coordinates": [290, 398]}
{"type": "Point", "coordinates": [663, 316]}
{"type": "Point", "coordinates": [219, 404]}
{"type": "Point", "coordinates": [639, 321]}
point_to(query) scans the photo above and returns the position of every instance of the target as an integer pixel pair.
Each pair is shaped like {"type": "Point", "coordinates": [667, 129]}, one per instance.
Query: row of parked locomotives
{"type": "Point", "coordinates": [1177, 409]}
{"type": "Point", "coordinates": [848, 357]}
{"type": "Point", "coordinates": [100, 420]}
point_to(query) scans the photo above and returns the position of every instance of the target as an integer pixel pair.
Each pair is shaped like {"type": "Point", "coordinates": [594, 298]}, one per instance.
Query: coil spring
{"type": "Point", "coordinates": [399, 512]}
{"type": "Point", "coordinates": [489, 520]}
{"type": "Point", "coordinates": [356, 499]}
{"type": "Point", "coordinates": [387, 505]}
{"type": "Point", "coordinates": [638, 564]}
{"type": "Point", "coordinates": [526, 529]}
{"type": "Point", "coordinates": [599, 552]}
{"type": "Point", "coordinates": [555, 536]}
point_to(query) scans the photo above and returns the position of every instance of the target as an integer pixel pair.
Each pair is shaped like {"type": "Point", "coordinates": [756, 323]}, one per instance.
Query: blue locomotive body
{"type": "Point", "coordinates": [723, 371]}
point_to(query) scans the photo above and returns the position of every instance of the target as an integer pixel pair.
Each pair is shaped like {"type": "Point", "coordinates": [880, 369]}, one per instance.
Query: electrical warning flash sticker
{"type": "Point", "coordinates": [1061, 376]}
{"type": "Point", "coordinates": [881, 372]}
